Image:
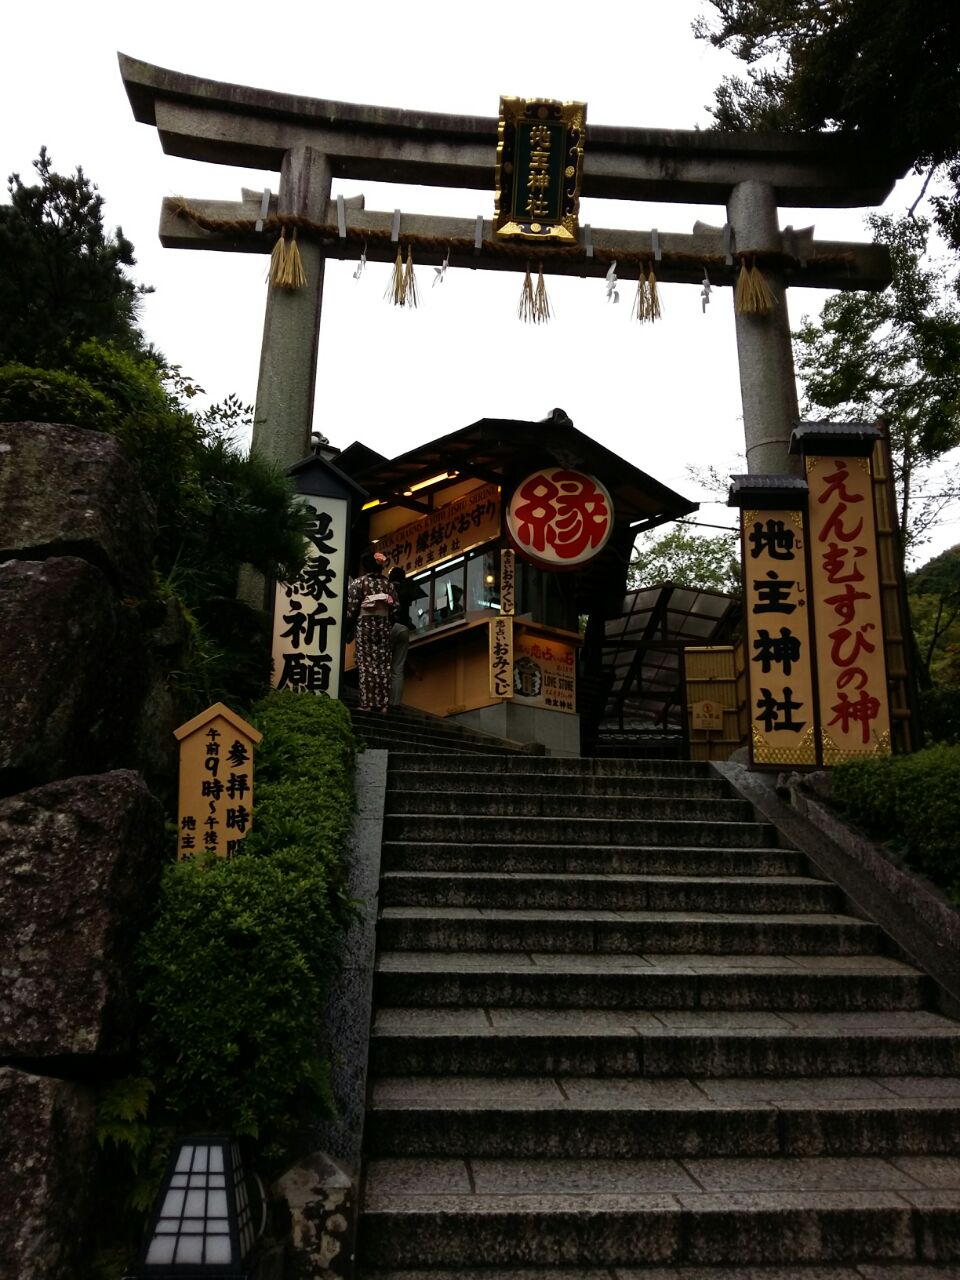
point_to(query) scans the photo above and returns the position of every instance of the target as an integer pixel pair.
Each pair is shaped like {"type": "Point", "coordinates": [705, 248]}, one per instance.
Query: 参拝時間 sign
{"type": "Point", "coordinates": [851, 664]}
{"type": "Point", "coordinates": [560, 519]}
{"type": "Point", "coordinates": [216, 782]}
{"type": "Point", "coordinates": [778, 647]}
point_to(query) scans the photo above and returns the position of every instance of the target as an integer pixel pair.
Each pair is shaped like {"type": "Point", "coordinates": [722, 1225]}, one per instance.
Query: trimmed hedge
{"type": "Point", "coordinates": [912, 803]}
{"type": "Point", "coordinates": [236, 964]}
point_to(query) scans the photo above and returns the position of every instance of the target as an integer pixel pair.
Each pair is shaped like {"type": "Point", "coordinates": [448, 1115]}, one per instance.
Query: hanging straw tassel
{"type": "Point", "coordinates": [753, 296]}
{"type": "Point", "coordinates": [294, 276]}
{"type": "Point", "coordinates": [541, 302]}
{"type": "Point", "coordinates": [641, 302]}
{"type": "Point", "coordinates": [764, 301]}
{"type": "Point", "coordinates": [278, 261]}
{"type": "Point", "coordinates": [410, 296]}
{"type": "Point", "coordinates": [527, 310]}
{"type": "Point", "coordinates": [395, 287]}
{"type": "Point", "coordinates": [654, 311]}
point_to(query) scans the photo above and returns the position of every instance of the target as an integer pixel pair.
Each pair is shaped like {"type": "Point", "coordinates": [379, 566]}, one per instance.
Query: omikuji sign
{"type": "Point", "coordinates": [560, 519]}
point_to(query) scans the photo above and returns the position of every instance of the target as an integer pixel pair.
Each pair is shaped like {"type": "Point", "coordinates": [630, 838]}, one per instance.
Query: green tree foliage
{"type": "Point", "coordinates": [688, 560]}
{"type": "Point", "coordinates": [893, 355]}
{"type": "Point", "coordinates": [888, 70]}
{"type": "Point", "coordinates": [934, 591]}
{"type": "Point", "coordinates": [62, 277]}
{"type": "Point", "coordinates": [70, 351]}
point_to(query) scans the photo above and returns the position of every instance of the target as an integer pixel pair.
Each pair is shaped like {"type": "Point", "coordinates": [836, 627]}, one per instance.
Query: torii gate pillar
{"type": "Point", "coordinates": [767, 380]}
{"type": "Point", "coordinates": [291, 326]}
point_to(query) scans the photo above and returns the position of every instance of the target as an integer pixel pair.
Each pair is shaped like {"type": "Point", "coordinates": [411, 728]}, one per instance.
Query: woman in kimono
{"type": "Point", "coordinates": [371, 602]}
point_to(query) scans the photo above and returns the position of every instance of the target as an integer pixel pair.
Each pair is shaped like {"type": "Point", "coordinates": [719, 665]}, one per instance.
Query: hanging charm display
{"type": "Point", "coordinates": [653, 296]}
{"type": "Point", "coordinates": [752, 296]}
{"type": "Point", "coordinates": [361, 264]}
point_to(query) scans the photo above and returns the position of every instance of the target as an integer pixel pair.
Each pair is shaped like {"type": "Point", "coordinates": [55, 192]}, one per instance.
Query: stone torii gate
{"type": "Point", "coordinates": [310, 141]}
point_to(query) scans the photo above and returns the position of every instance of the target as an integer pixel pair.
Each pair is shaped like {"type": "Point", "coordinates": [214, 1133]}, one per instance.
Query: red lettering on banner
{"type": "Point", "coordinates": [840, 637]}
{"type": "Point", "coordinates": [833, 562]}
{"type": "Point", "coordinates": [865, 709]}
{"type": "Point", "coordinates": [569, 515]}
{"type": "Point", "coordinates": [844, 604]}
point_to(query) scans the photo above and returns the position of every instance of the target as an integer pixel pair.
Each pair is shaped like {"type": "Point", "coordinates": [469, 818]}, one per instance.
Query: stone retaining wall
{"type": "Point", "coordinates": [80, 831]}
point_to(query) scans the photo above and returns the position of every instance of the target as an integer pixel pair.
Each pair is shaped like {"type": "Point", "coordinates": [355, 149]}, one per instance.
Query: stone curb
{"type": "Point", "coordinates": [921, 924]}
{"type": "Point", "coordinates": [321, 1192]}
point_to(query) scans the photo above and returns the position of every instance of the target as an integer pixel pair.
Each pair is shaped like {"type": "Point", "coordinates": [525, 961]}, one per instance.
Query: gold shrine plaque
{"type": "Point", "coordinates": [539, 169]}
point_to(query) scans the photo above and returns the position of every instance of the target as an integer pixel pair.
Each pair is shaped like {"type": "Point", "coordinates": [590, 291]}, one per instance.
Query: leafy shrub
{"type": "Point", "coordinates": [53, 395]}
{"type": "Point", "coordinates": [940, 714]}
{"type": "Point", "coordinates": [913, 803]}
{"type": "Point", "coordinates": [236, 964]}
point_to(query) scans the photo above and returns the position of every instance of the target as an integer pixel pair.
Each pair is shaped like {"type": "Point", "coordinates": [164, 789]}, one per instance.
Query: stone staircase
{"type": "Point", "coordinates": [619, 1032]}
{"type": "Point", "coordinates": [410, 730]}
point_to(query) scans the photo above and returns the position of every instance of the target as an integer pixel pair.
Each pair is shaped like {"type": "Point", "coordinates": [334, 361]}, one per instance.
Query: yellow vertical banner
{"type": "Point", "coordinates": [778, 639]}
{"type": "Point", "coordinates": [847, 609]}
{"type": "Point", "coordinates": [508, 582]}
{"type": "Point", "coordinates": [501, 657]}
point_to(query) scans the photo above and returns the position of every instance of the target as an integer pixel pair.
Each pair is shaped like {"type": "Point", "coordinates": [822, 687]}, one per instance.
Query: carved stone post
{"type": "Point", "coordinates": [291, 327]}
{"type": "Point", "coordinates": [767, 381]}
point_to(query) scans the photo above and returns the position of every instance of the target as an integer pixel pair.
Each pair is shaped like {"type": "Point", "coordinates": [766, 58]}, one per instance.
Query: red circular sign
{"type": "Point", "coordinates": [560, 519]}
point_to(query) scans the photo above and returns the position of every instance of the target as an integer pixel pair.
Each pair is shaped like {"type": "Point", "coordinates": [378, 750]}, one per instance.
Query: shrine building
{"type": "Point", "coordinates": [516, 538]}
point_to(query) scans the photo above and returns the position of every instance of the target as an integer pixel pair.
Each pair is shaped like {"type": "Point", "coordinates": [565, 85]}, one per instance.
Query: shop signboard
{"type": "Point", "coordinates": [851, 665]}
{"type": "Point", "coordinates": [544, 673]}
{"type": "Point", "coordinates": [778, 643]}
{"type": "Point", "coordinates": [469, 521]}
{"type": "Point", "coordinates": [559, 519]}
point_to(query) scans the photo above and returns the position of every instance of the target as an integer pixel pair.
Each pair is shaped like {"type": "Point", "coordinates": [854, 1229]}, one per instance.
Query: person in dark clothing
{"type": "Point", "coordinates": [400, 632]}
{"type": "Point", "coordinates": [370, 603]}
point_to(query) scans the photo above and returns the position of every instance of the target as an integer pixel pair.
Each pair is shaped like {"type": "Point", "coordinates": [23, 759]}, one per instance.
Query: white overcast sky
{"type": "Point", "coordinates": [663, 395]}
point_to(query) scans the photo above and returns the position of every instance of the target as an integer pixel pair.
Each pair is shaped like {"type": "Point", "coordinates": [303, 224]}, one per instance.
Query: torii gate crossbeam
{"type": "Point", "coordinates": [311, 141]}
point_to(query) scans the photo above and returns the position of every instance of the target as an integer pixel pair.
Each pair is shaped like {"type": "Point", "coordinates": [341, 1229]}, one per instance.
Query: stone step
{"type": "Point", "coordinates": [623, 932]}
{"type": "Point", "coordinates": [398, 738]}
{"type": "Point", "coordinates": [443, 1213]}
{"type": "Point", "coordinates": [865, 1271]}
{"type": "Point", "coordinates": [655, 768]}
{"type": "Point", "coordinates": [591, 859]}
{"type": "Point", "coordinates": [523, 1042]}
{"type": "Point", "coordinates": [433, 728]}
{"type": "Point", "coordinates": [650, 982]}
{"type": "Point", "coordinates": [420, 827]}
{"type": "Point", "coordinates": [654, 1118]}
{"type": "Point", "coordinates": [531, 804]}
{"type": "Point", "coordinates": [610, 892]}
{"type": "Point", "coordinates": [413, 780]}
